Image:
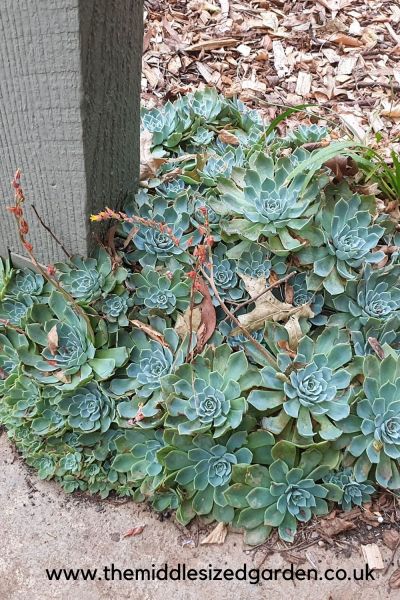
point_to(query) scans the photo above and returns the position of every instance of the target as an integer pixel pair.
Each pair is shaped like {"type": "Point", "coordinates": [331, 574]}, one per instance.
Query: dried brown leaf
{"type": "Point", "coordinates": [391, 538]}
{"type": "Point", "coordinates": [52, 340]}
{"type": "Point", "coordinates": [217, 535]}
{"type": "Point", "coordinates": [334, 526]}
{"type": "Point", "coordinates": [149, 164]}
{"type": "Point", "coordinates": [212, 44]}
{"type": "Point", "coordinates": [228, 138]}
{"type": "Point", "coordinates": [134, 531]}
{"type": "Point", "coordinates": [152, 333]}
{"type": "Point", "coordinates": [376, 347]}
{"type": "Point", "coordinates": [394, 581]}
{"type": "Point", "coordinates": [346, 40]}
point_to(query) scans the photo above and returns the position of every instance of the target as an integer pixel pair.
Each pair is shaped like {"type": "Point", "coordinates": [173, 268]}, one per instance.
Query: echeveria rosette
{"type": "Point", "coordinates": [238, 341]}
{"type": "Point", "coordinates": [221, 164]}
{"type": "Point", "coordinates": [207, 393]}
{"type": "Point", "coordinates": [285, 493]}
{"type": "Point", "coordinates": [150, 361]}
{"type": "Point", "coordinates": [114, 308]}
{"type": "Point", "coordinates": [87, 279]}
{"type": "Point", "coordinates": [306, 134]}
{"type": "Point", "coordinates": [302, 295]}
{"type": "Point", "coordinates": [11, 344]}
{"type": "Point", "coordinates": [226, 279]}
{"type": "Point", "coordinates": [374, 425]}
{"type": "Point", "coordinates": [310, 390]}
{"type": "Point", "coordinates": [203, 470]}
{"type": "Point", "coordinates": [172, 189]}
{"type": "Point", "coordinates": [350, 237]}
{"type": "Point", "coordinates": [270, 203]}
{"type": "Point", "coordinates": [375, 330]}
{"type": "Point", "coordinates": [206, 105]}
{"type": "Point", "coordinates": [202, 137]}
{"type": "Point", "coordinates": [163, 293]}
{"type": "Point", "coordinates": [163, 244]}
{"type": "Point", "coordinates": [88, 408]}
{"type": "Point", "coordinates": [63, 352]}
{"type": "Point", "coordinates": [137, 458]}
{"type": "Point", "coordinates": [25, 282]}
{"type": "Point", "coordinates": [15, 310]}
{"type": "Point", "coordinates": [375, 296]}
{"type": "Point", "coordinates": [354, 493]}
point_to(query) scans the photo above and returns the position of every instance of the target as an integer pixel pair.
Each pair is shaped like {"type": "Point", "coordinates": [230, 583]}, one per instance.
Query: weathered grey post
{"type": "Point", "coordinates": [69, 114]}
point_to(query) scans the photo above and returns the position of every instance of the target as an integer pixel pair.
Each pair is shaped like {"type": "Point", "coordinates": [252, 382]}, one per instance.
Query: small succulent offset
{"type": "Point", "coordinates": [166, 240]}
{"type": "Point", "coordinates": [285, 493]}
{"type": "Point", "coordinates": [374, 332]}
{"type": "Point", "coordinates": [88, 279]}
{"type": "Point", "coordinates": [302, 295]}
{"type": "Point", "coordinates": [6, 273]}
{"type": "Point", "coordinates": [63, 352]}
{"type": "Point", "coordinates": [375, 424]}
{"type": "Point", "coordinates": [310, 390]}
{"type": "Point", "coordinates": [161, 292]}
{"type": "Point", "coordinates": [11, 344]}
{"type": "Point", "coordinates": [15, 310]}
{"type": "Point", "coordinates": [376, 296]}
{"type": "Point", "coordinates": [350, 238]}
{"type": "Point", "coordinates": [354, 493]}
{"type": "Point", "coordinates": [207, 393]}
{"type": "Point", "coordinates": [306, 134]}
{"type": "Point", "coordinates": [88, 408]}
{"type": "Point", "coordinates": [227, 282]}
{"type": "Point", "coordinates": [115, 306]}
{"type": "Point", "coordinates": [271, 203]}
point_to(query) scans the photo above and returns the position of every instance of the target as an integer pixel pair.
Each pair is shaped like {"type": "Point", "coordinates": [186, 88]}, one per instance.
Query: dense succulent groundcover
{"type": "Point", "coordinates": [127, 373]}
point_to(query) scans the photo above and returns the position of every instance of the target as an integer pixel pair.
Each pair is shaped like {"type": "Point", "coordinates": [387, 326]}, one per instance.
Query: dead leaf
{"type": "Point", "coordinates": [373, 556]}
{"type": "Point", "coordinates": [294, 330]}
{"type": "Point", "coordinates": [228, 138]}
{"type": "Point", "coordinates": [217, 535]}
{"type": "Point", "coordinates": [394, 581]}
{"type": "Point", "coordinates": [3, 374]}
{"type": "Point", "coordinates": [267, 307]}
{"type": "Point", "coordinates": [152, 333]}
{"type": "Point", "coordinates": [212, 44]}
{"type": "Point", "coordinates": [208, 315]}
{"type": "Point", "coordinates": [134, 531]}
{"type": "Point", "coordinates": [52, 340]}
{"type": "Point", "coordinates": [334, 526]}
{"type": "Point", "coordinates": [61, 376]}
{"type": "Point", "coordinates": [392, 112]}
{"type": "Point", "coordinates": [376, 347]}
{"type": "Point", "coordinates": [149, 164]}
{"type": "Point", "coordinates": [346, 40]}
{"type": "Point", "coordinates": [391, 538]}
{"type": "Point", "coordinates": [342, 166]}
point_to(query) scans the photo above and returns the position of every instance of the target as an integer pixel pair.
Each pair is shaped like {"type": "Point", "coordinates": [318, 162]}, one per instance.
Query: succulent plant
{"type": "Point", "coordinates": [11, 344]}
{"type": "Point", "coordinates": [62, 352]}
{"type": "Point", "coordinates": [115, 306]}
{"type": "Point", "coordinates": [311, 388]}
{"type": "Point", "coordinates": [207, 394]}
{"type": "Point", "coordinates": [161, 293]}
{"type": "Point", "coordinates": [202, 137]}
{"type": "Point", "coordinates": [137, 457]}
{"type": "Point", "coordinates": [376, 295]}
{"type": "Point", "coordinates": [268, 204]}
{"type": "Point", "coordinates": [87, 408]}
{"type": "Point", "coordinates": [88, 279]}
{"type": "Point", "coordinates": [225, 276]}
{"type": "Point", "coordinates": [349, 241]}
{"type": "Point", "coordinates": [25, 282]}
{"type": "Point", "coordinates": [6, 273]}
{"type": "Point", "coordinates": [172, 189]}
{"type": "Point", "coordinates": [374, 330]}
{"type": "Point", "coordinates": [206, 105]}
{"type": "Point", "coordinates": [284, 493]}
{"type": "Point", "coordinates": [165, 243]}
{"type": "Point", "coordinates": [221, 165]}
{"type": "Point", "coordinates": [374, 427]}
{"type": "Point", "coordinates": [354, 493]}
{"type": "Point", "coordinates": [302, 295]}
{"type": "Point", "coordinates": [14, 310]}
{"type": "Point", "coordinates": [204, 470]}
{"type": "Point", "coordinates": [306, 134]}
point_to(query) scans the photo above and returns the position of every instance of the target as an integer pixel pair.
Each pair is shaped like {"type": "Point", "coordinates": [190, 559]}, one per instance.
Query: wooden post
{"type": "Point", "coordinates": [69, 114]}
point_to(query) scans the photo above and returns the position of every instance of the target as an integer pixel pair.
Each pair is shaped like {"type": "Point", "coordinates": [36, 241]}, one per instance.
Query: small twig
{"type": "Point", "coordinates": [267, 289]}
{"type": "Point", "coordinates": [392, 557]}
{"type": "Point", "coordinates": [9, 325]}
{"type": "Point", "coordinates": [260, 347]}
{"type": "Point", "coordinates": [47, 228]}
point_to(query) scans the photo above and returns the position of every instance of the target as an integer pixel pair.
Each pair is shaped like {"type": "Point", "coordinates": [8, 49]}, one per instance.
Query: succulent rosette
{"type": "Point", "coordinates": [88, 408]}
{"type": "Point", "coordinates": [354, 493]}
{"type": "Point", "coordinates": [310, 390]}
{"type": "Point", "coordinates": [374, 426]}
{"type": "Point", "coordinates": [163, 293]}
{"type": "Point", "coordinates": [350, 238]}
{"type": "Point", "coordinates": [207, 394]}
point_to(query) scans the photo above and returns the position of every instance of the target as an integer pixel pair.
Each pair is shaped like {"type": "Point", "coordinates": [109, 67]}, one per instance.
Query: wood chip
{"type": "Point", "coordinates": [303, 85]}
{"type": "Point", "coordinates": [347, 64]}
{"type": "Point", "coordinates": [280, 60]}
{"type": "Point", "coordinates": [372, 556]}
{"type": "Point", "coordinates": [346, 40]}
